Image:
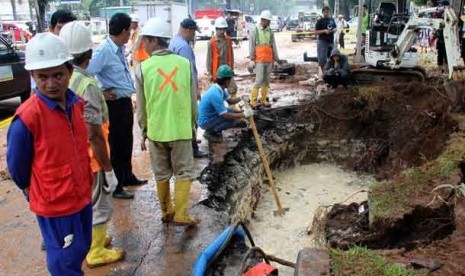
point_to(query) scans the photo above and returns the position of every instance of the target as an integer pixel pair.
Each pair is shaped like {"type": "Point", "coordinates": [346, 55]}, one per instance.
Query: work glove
{"type": "Point", "coordinates": [112, 181]}
{"type": "Point", "coordinates": [248, 112]}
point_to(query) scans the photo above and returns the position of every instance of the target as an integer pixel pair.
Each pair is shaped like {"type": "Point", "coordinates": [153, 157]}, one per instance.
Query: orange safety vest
{"type": "Point", "coordinates": [139, 54]}
{"type": "Point", "coordinates": [216, 55]}
{"type": "Point", "coordinates": [263, 49]}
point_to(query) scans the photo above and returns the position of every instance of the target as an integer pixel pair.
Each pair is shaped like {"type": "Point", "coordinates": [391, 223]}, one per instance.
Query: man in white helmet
{"type": "Point", "coordinates": [78, 39]}
{"type": "Point", "coordinates": [137, 52]}
{"type": "Point", "coordinates": [220, 52]}
{"type": "Point", "coordinates": [47, 156]}
{"type": "Point", "coordinates": [166, 113]}
{"type": "Point", "coordinates": [263, 53]}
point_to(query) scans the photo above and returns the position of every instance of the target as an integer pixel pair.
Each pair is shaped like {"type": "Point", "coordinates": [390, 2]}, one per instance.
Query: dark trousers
{"type": "Point", "coordinates": [120, 139]}
{"type": "Point", "coordinates": [336, 80]}
{"type": "Point", "coordinates": [442, 58]}
{"type": "Point", "coordinates": [341, 40]}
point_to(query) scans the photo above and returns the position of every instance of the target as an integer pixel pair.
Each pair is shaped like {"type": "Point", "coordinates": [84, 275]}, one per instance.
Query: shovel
{"type": "Point", "coordinates": [281, 211]}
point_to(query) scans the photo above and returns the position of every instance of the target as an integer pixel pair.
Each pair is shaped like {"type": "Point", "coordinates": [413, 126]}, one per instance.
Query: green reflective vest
{"type": "Point", "coordinates": [168, 97]}
{"type": "Point", "coordinates": [79, 83]}
{"type": "Point", "coordinates": [262, 36]}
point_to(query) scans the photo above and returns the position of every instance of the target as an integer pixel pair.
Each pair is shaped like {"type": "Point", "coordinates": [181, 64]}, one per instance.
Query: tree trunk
{"type": "Point", "coordinates": [13, 8]}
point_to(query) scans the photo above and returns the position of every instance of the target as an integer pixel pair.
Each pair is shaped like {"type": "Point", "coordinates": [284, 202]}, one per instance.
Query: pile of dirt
{"type": "Point", "coordinates": [416, 144]}
{"type": "Point", "coordinates": [403, 124]}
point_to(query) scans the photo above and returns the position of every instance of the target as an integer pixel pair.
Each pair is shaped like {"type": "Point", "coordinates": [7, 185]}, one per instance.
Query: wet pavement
{"type": "Point", "coordinates": [152, 247]}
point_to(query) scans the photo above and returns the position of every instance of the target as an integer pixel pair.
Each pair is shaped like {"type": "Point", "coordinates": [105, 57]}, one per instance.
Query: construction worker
{"type": "Point", "coordinates": [137, 52]}
{"type": "Point", "coordinates": [78, 39]}
{"type": "Point", "coordinates": [220, 52]}
{"type": "Point", "coordinates": [263, 52]}
{"type": "Point", "coordinates": [180, 45]}
{"type": "Point", "coordinates": [214, 117]}
{"type": "Point", "coordinates": [165, 114]}
{"type": "Point", "coordinates": [111, 69]}
{"type": "Point", "coordinates": [47, 156]}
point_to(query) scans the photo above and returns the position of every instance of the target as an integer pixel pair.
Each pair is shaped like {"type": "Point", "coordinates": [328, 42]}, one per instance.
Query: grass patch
{"type": "Point", "coordinates": [361, 261]}
{"type": "Point", "coordinates": [391, 199]}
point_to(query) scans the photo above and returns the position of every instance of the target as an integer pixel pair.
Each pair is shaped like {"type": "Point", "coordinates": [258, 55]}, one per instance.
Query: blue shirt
{"type": "Point", "coordinates": [110, 68]}
{"type": "Point", "coordinates": [20, 143]}
{"type": "Point", "coordinates": [212, 104]}
{"type": "Point", "coordinates": [180, 46]}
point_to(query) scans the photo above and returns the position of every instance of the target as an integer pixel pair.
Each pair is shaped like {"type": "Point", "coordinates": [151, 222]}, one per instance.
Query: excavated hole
{"type": "Point", "coordinates": [351, 133]}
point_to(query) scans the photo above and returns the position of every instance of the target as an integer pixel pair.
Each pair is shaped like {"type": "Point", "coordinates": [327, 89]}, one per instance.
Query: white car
{"type": "Point", "coordinates": [206, 28]}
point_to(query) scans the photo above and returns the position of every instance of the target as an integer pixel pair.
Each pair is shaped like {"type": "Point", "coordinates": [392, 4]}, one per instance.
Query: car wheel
{"type": "Point", "coordinates": [25, 96]}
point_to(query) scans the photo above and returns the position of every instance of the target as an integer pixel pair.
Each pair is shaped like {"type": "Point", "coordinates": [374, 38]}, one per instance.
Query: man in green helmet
{"type": "Point", "coordinates": [214, 117]}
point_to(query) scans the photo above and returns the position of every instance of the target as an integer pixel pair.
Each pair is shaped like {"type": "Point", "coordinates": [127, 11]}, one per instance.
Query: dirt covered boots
{"type": "Point", "coordinates": [181, 204]}
{"type": "Point", "coordinates": [99, 255]}
{"type": "Point", "coordinates": [265, 102]}
{"type": "Point", "coordinates": [164, 197]}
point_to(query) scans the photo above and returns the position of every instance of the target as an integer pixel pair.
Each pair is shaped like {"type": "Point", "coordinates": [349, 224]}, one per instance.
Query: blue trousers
{"type": "Point", "coordinates": [66, 259]}
{"type": "Point", "coordinates": [218, 124]}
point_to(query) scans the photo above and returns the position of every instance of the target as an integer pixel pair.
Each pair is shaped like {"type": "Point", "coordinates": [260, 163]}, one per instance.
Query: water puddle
{"type": "Point", "coordinates": [302, 189]}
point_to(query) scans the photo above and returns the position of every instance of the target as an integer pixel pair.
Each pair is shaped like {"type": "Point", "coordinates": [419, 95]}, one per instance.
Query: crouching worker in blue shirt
{"type": "Point", "coordinates": [214, 117]}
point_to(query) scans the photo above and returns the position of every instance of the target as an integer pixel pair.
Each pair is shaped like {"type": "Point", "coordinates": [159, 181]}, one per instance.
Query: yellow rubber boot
{"type": "Point", "coordinates": [265, 102]}
{"type": "Point", "coordinates": [99, 255]}
{"type": "Point", "coordinates": [164, 197]}
{"type": "Point", "coordinates": [254, 97]}
{"type": "Point", "coordinates": [181, 203]}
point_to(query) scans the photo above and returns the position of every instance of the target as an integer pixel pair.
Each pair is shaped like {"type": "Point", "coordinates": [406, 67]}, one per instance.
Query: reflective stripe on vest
{"type": "Point", "coordinates": [61, 178]}
{"type": "Point", "coordinates": [216, 55]}
{"type": "Point", "coordinates": [263, 48]}
{"type": "Point", "coordinates": [168, 97]}
{"type": "Point", "coordinates": [79, 83]}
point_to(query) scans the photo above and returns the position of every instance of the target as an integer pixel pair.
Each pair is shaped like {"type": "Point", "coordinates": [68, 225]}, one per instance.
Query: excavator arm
{"type": "Point", "coordinates": [410, 33]}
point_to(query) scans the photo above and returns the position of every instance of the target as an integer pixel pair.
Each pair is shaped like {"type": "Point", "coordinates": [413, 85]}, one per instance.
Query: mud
{"type": "Point", "coordinates": [302, 189]}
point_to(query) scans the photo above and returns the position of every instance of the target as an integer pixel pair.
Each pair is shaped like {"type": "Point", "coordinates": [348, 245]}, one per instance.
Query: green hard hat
{"type": "Point", "coordinates": [224, 72]}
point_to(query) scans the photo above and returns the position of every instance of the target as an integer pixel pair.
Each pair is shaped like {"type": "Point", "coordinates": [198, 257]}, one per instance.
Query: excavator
{"type": "Point", "coordinates": [389, 53]}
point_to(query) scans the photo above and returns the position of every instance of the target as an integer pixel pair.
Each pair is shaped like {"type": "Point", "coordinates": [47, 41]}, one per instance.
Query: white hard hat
{"type": "Point", "coordinates": [220, 23]}
{"type": "Point", "coordinates": [266, 14]}
{"type": "Point", "coordinates": [157, 27]}
{"type": "Point", "coordinates": [134, 18]}
{"type": "Point", "coordinates": [76, 37]}
{"type": "Point", "coordinates": [46, 50]}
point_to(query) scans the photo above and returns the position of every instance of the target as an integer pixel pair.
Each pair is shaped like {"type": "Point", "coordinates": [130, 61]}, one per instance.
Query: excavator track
{"type": "Point", "coordinates": [370, 75]}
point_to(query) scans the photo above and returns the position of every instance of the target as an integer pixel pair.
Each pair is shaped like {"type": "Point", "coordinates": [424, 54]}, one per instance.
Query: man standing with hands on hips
{"type": "Point", "coordinates": [109, 66]}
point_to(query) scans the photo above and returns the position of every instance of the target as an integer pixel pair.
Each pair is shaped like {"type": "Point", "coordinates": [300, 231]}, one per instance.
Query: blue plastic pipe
{"type": "Point", "coordinates": [200, 265]}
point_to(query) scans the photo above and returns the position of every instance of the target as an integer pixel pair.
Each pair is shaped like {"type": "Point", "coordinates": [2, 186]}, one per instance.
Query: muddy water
{"type": "Point", "coordinates": [301, 189]}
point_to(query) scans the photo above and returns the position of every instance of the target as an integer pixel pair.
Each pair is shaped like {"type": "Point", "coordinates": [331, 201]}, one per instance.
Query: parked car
{"type": "Point", "coordinates": [14, 79]}
{"type": "Point", "coordinates": [206, 28]}
{"type": "Point", "coordinates": [292, 23]}
{"type": "Point", "coordinates": [20, 31]}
